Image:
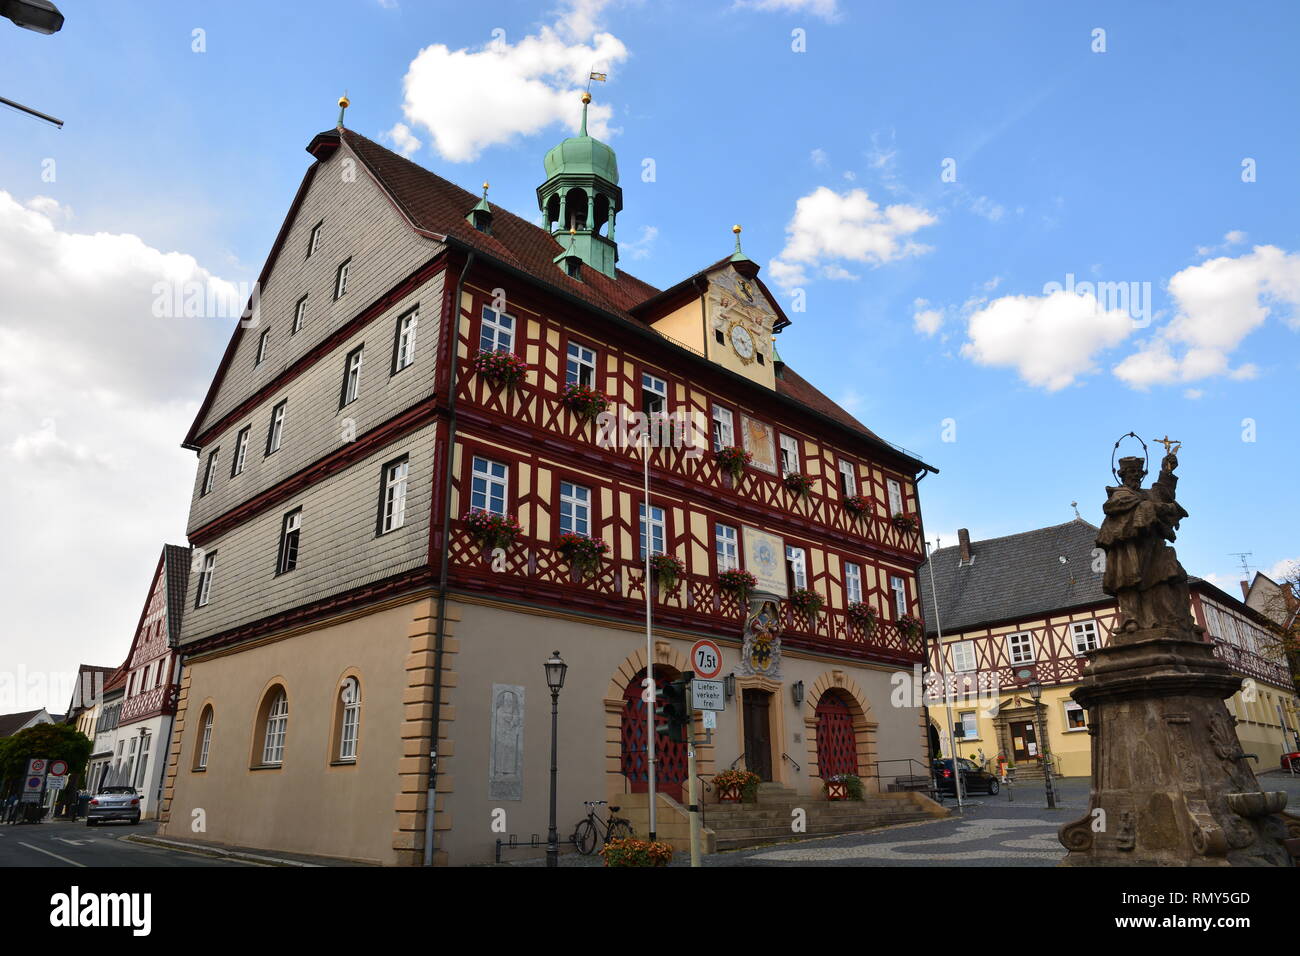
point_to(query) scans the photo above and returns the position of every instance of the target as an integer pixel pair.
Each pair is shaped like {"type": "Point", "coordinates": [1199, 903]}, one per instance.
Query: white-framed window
{"type": "Point", "coordinates": [290, 535]}
{"type": "Point", "coordinates": [352, 376]}
{"type": "Point", "coordinates": [404, 344]}
{"type": "Point", "coordinates": [654, 394]}
{"type": "Point", "coordinates": [848, 479]}
{"type": "Point", "coordinates": [350, 722]}
{"type": "Point", "coordinates": [277, 723]}
{"type": "Point", "coordinates": [796, 565]}
{"type": "Point", "coordinates": [263, 341]}
{"type": "Point", "coordinates": [1085, 637]}
{"type": "Point", "coordinates": [210, 473]}
{"type": "Point", "coordinates": [853, 582]}
{"type": "Point", "coordinates": [205, 578]}
{"type": "Point", "coordinates": [725, 545]}
{"type": "Point", "coordinates": [1076, 717]}
{"type": "Point", "coordinates": [898, 588]}
{"type": "Point", "coordinates": [313, 241]}
{"type": "Point", "coordinates": [488, 486]}
{"type": "Point", "coordinates": [723, 431]}
{"type": "Point", "coordinates": [575, 508]}
{"type": "Point", "coordinates": [969, 725]}
{"type": "Point", "coordinates": [275, 433]}
{"type": "Point", "coordinates": [1020, 647]}
{"type": "Point", "coordinates": [789, 455]}
{"type": "Point", "coordinates": [205, 741]}
{"type": "Point", "coordinates": [963, 656]}
{"type": "Point", "coordinates": [895, 497]}
{"type": "Point", "coordinates": [657, 529]}
{"type": "Point", "coordinates": [299, 316]}
{"type": "Point", "coordinates": [496, 332]}
{"type": "Point", "coordinates": [341, 278]}
{"type": "Point", "coordinates": [580, 365]}
{"type": "Point", "coordinates": [392, 508]}
{"type": "Point", "coordinates": [241, 451]}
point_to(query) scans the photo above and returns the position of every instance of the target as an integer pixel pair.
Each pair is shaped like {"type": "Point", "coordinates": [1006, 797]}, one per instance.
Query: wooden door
{"type": "Point", "coordinates": [1024, 741]}
{"type": "Point", "coordinates": [758, 734]}
{"type": "Point", "coordinates": [670, 756]}
{"type": "Point", "coordinates": [837, 745]}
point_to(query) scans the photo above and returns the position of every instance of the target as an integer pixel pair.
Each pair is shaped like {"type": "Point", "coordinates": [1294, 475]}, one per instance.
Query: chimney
{"type": "Point", "coordinates": [1245, 590]}
{"type": "Point", "coordinates": [963, 536]}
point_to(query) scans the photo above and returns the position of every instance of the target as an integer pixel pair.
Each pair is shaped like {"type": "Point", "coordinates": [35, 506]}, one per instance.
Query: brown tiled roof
{"type": "Point", "coordinates": [436, 205]}
{"type": "Point", "coordinates": [10, 724]}
{"type": "Point", "coordinates": [792, 384]}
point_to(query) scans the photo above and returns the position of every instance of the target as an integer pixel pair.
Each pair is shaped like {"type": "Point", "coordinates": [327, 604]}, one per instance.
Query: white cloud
{"type": "Point", "coordinates": [1049, 340]}
{"type": "Point", "coordinates": [641, 247]}
{"type": "Point", "coordinates": [1284, 569]}
{"type": "Point", "coordinates": [926, 320]}
{"type": "Point", "coordinates": [468, 99]}
{"type": "Point", "coordinates": [826, 9]}
{"type": "Point", "coordinates": [1235, 237]}
{"type": "Point", "coordinates": [829, 226]}
{"type": "Point", "coordinates": [1194, 393]}
{"type": "Point", "coordinates": [819, 158]}
{"type": "Point", "coordinates": [406, 142]}
{"type": "Point", "coordinates": [95, 396]}
{"type": "Point", "coordinates": [1219, 303]}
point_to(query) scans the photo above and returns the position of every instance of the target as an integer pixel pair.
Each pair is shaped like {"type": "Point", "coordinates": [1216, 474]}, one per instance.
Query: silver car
{"type": "Point", "coordinates": [113, 803]}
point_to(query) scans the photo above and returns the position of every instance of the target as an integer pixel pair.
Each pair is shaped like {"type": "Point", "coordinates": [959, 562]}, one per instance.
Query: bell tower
{"type": "Point", "coordinates": [580, 201]}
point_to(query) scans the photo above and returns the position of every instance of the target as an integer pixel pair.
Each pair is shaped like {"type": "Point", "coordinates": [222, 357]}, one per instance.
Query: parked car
{"type": "Point", "coordinates": [1291, 761]}
{"type": "Point", "coordinates": [973, 779]}
{"type": "Point", "coordinates": [113, 803]}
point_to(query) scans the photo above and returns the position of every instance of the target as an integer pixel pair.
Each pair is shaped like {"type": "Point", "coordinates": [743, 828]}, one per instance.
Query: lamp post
{"type": "Point", "coordinates": [555, 670]}
{"type": "Point", "coordinates": [1036, 692]}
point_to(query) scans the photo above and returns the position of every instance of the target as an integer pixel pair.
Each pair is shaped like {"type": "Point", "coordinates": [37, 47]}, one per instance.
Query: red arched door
{"type": "Point", "coordinates": [670, 757]}
{"type": "Point", "coordinates": [837, 747]}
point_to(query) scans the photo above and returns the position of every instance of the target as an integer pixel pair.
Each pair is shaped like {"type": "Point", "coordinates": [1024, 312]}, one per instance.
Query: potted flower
{"type": "Point", "coordinates": [633, 852]}
{"type": "Point", "coordinates": [807, 601]}
{"type": "Point", "coordinates": [583, 400]}
{"type": "Point", "coordinates": [492, 530]}
{"type": "Point", "coordinates": [583, 552]}
{"type": "Point", "coordinates": [733, 460]}
{"type": "Point", "coordinates": [735, 786]}
{"type": "Point", "coordinates": [500, 368]}
{"type": "Point", "coordinates": [862, 614]}
{"type": "Point", "coordinates": [904, 522]}
{"type": "Point", "coordinates": [857, 505]}
{"type": "Point", "coordinates": [909, 626]}
{"type": "Point", "coordinates": [667, 569]}
{"type": "Point", "coordinates": [800, 484]}
{"type": "Point", "coordinates": [738, 582]}
{"type": "Point", "coordinates": [843, 786]}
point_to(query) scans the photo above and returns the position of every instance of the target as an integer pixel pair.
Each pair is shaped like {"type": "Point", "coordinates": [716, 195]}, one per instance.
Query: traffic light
{"type": "Point", "coordinates": [674, 710]}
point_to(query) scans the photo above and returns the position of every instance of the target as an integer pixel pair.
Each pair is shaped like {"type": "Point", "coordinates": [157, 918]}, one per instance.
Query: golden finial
{"type": "Point", "coordinates": [736, 230]}
{"type": "Point", "coordinates": [486, 187]}
{"type": "Point", "coordinates": [344, 103]}
{"type": "Point", "coordinates": [586, 98]}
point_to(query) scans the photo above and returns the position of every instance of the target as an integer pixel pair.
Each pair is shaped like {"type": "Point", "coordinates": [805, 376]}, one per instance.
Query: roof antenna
{"type": "Point", "coordinates": [1075, 506]}
{"type": "Point", "coordinates": [1243, 555]}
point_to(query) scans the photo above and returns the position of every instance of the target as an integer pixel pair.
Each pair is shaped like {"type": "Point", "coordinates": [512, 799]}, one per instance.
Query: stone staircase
{"type": "Point", "coordinates": [739, 825]}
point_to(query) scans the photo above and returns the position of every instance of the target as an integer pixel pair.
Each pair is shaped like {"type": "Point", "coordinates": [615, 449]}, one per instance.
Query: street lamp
{"type": "Point", "coordinates": [40, 16]}
{"type": "Point", "coordinates": [1036, 692]}
{"type": "Point", "coordinates": [555, 670]}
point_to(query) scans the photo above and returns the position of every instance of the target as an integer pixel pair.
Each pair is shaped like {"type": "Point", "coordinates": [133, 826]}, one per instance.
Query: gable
{"type": "Point", "coordinates": [360, 224]}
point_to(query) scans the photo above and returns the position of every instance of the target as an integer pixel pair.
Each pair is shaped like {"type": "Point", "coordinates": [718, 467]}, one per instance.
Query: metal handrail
{"type": "Point", "coordinates": [926, 772]}
{"type": "Point", "coordinates": [786, 756]}
{"type": "Point", "coordinates": [738, 760]}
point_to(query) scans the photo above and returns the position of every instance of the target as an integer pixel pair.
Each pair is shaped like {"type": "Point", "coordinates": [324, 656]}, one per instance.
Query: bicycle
{"type": "Point", "coordinates": [587, 832]}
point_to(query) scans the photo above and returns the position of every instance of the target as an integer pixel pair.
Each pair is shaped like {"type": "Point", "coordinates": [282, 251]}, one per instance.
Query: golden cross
{"type": "Point", "coordinates": [1167, 441]}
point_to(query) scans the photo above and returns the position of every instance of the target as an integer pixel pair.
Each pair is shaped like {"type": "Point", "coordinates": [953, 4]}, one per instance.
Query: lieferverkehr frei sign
{"type": "Point", "coordinates": [707, 695]}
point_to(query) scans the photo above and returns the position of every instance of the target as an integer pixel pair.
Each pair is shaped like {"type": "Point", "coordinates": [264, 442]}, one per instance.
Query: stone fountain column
{"type": "Point", "coordinates": [1170, 785]}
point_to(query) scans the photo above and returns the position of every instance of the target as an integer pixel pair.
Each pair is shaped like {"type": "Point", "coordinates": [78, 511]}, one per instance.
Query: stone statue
{"type": "Point", "coordinates": [1142, 572]}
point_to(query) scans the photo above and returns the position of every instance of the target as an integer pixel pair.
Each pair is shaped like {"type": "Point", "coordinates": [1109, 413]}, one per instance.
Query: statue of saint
{"type": "Point", "coordinates": [1142, 572]}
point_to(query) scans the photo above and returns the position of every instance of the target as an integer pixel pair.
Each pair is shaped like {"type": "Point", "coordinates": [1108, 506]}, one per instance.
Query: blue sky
{"type": "Point", "coordinates": [926, 301]}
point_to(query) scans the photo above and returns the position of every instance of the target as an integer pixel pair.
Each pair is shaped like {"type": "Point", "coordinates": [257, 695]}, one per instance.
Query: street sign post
{"type": "Point", "coordinates": [56, 783]}
{"type": "Point", "coordinates": [706, 659]}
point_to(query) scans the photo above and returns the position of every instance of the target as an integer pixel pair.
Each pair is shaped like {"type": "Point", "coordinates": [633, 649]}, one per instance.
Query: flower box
{"type": "Point", "coordinates": [733, 460]}
{"type": "Point", "coordinates": [807, 601]}
{"type": "Point", "coordinates": [583, 400]}
{"type": "Point", "coordinates": [738, 582]}
{"type": "Point", "coordinates": [857, 505]}
{"type": "Point", "coordinates": [490, 530]}
{"type": "Point", "coordinates": [904, 522]}
{"type": "Point", "coordinates": [862, 615]}
{"type": "Point", "coordinates": [800, 485]}
{"type": "Point", "coordinates": [667, 570]}
{"type": "Point", "coordinates": [633, 852]}
{"type": "Point", "coordinates": [736, 786]}
{"type": "Point", "coordinates": [844, 786]}
{"type": "Point", "coordinates": [583, 552]}
{"type": "Point", "coordinates": [500, 368]}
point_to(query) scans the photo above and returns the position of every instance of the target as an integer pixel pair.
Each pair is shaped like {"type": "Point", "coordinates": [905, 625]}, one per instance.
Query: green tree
{"type": "Point", "coordinates": [51, 741]}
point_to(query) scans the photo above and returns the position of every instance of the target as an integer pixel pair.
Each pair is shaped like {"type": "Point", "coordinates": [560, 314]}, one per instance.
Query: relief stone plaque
{"type": "Point", "coordinates": [506, 761]}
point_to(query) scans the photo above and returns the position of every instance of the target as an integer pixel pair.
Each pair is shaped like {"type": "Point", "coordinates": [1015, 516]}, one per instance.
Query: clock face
{"type": "Point", "coordinates": [741, 342]}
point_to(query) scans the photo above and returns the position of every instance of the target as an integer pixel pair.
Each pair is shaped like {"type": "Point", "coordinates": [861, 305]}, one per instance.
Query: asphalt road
{"type": "Point", "coordinates": [75, 845]}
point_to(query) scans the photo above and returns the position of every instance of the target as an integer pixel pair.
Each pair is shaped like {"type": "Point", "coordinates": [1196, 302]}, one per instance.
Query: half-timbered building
{"type": "Point", "coordinates": [434, 403]}
{"type": "Point", "coordinates": [1029, 607]}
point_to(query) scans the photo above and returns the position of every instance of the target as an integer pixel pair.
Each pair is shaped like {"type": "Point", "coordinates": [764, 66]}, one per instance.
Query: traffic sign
{"type": "Point", "coordinates": [708, 695]}
{"type": "Point", "coordinates": [56, 783]}
{"type": "Point", "coordinates": [34, 783]}
{"type": "Point", "coordinates": [58, 768]}
{"type": "Point", "coordinates": [36, 765]}
{"type": "Point", "coordinates": [706, 659]}
{"type": "Point", "coordinates": [710, 720]}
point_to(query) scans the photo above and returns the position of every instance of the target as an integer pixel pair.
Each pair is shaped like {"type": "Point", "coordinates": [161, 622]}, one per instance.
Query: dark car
{"type": "Point", "coordinates": [113, 803]}
{"type": "Point", "coordinates": [973, 779]}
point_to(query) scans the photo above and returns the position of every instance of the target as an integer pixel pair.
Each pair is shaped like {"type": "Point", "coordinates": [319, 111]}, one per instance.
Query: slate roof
{"type": "Point", "coordinates": [1015, 577]}
{"type": "Point", "coordinates": [176, 561]}
{"type": "Point", "coordinates": [10, 724]}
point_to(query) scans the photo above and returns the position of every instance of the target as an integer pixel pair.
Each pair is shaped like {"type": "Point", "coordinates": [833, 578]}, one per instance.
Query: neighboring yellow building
{"type": "Point", "coordinates": [1028, 607]}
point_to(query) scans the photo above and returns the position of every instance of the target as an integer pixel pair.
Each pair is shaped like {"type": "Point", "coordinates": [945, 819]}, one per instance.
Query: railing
{"type": "Point", "coordinates": [738, 760]}
{"type": "Point", "coordinates": [797, 768]}
{"type": "Point", "coordinates": [925, 771]}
